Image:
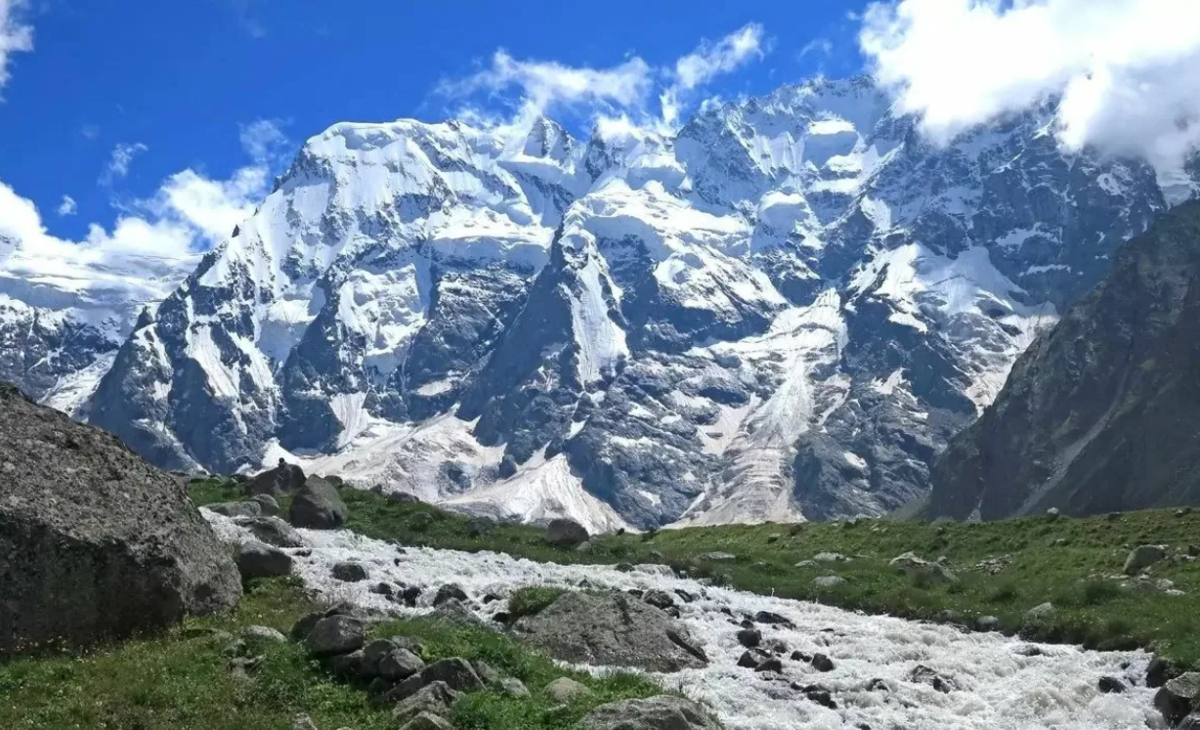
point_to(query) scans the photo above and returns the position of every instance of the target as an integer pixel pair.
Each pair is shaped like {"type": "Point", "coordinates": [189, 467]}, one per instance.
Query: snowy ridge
{"type": "Point", "coordinates": [634, 329]}
{"type": "Point", "coordinates": [1001, 686]}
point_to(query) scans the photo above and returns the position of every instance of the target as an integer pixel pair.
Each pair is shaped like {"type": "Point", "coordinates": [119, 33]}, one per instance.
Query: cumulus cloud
{"type": "Point", "coordinates": [118, 164]}
{"type": "Point", "coordinates": [16, 36]}
{"type": "Point", "coordinates": [614, 92]}
{"type": "Point", "coordinates": [709, 61]}
{"type": "Point", "coordinates": [264, 140]}
{"type": "Point", "coordinates": [67, 206]}
{"type": "Point", "coordinates": [1126, 72]}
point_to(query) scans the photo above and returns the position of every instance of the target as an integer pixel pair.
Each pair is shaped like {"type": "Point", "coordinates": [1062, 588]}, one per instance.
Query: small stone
{"type": "Point", "coordinates": [1143, 557]}
{"type": "Point", "coordinates": [514, 687]}
{"type": "Point", "coordinates": [659, 599]}
{"type": "Point", "coordinates": [829, 581]}
{"type": "Point", "coordinates": [772, 664]}
{"type": "Point", "coordinates": [822, 663]}
{"type": "Point", "coordinates": [450, 591]}
{"type": "Point", "coordinates": [349, 572]}
{"type": "Point", "coordinates": [427, 721]}
{"type": "Point", "coordinates": [987, 623]}
{"type": "Point", "coordinates": [435, 698]}
{"type": "Point", "coordinates": [749, 638]}
{"type": "Point", "coordinates": [1053, 514]}
{"type": "Point", "coordinates": [382, 589]}
{"type": "Point", "coordinates": [1041, 612]}
{"type": "Point", "coordinates": [1110, 685]}
{"type": "Point", "coordinates": [748, 660]}
{"type": "Point", "coordinates": [263, 634]}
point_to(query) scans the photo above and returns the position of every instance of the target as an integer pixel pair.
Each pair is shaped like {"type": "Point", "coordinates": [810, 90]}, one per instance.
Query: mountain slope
{"type": "Point", "coordinates": [783, 310]}
{"type": "Point", "coordinates": [1103, 412]}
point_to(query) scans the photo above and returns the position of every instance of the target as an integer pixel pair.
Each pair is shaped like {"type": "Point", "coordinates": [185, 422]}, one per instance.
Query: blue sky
{"type": "Point", "coordinates": [169, 86]}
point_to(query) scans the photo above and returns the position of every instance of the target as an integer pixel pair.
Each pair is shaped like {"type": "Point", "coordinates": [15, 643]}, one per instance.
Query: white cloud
{"type": "Point", "coordinates": [122, 157]}
{"type": "Point", "coordinates": [15, 35]}
{"type": "Point", "coordinates": [1127, 71]}
{"type": "Point", "coordinates": [819, 46]}
{"type": "Point", "coordinates": [89, 131]}
{"type": "Point", "coordinates": [264, 140]}
{"type": "Point", "coordinates": [708, 61]}
{"type": "Point", "coordinates": [613, 92]}
{"type": "Point", "coordinates": [67, 206]}
{"type": "Point", "coordinates": [545, 84]}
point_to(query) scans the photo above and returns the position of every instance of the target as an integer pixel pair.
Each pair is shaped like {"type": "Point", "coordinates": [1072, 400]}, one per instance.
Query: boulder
{"type": "Point", "coordinates": [1110, 685]}
{"type": "Point", "coordinates": [258, 560]}
{"type": "Point", "coordinates": [565, 690]}
{"type": "Point", "coordinates": [95, 543]}
{"type": "Point", "coordinates": [456, 673]}
{"type": "Point", "coordinates": [829, 581]}
{"type": "Point", "coordinates": [334, 635]}
{"type": "Point", "coordinates": [821, 663]}
{"type": "Point", "coordinates": [716, 557]}
{"type": "Point", "coordinates": [659, 599]}
{"type": "Point", "coordinates": [925, 675]}
{"type": "Point", "coordinates": [749, 638]}
{"type": "Point", "coordinates": [514, 687]}
{"type": "Point", "coordinates": [235, 509]}
{"type": "Point", "coordinates": [1041, 612]}
{"type": "Point", "coordinates": [427, 721]}
{"type": "Point", "coordinates": [910, 564]}
{"type": "Point", "coordinates": [270, 507]}
{"type": "Point", "coordinates": [435, 698]}
{"type": "Point", "coordinates": [987, 623]}
{"type": "Point", "coordinates": [318, 506]}
{"type": "Point", "coordinates": [263, 635]}
{"type": "Point", "coordinates": [272, 531]}
{"type": "Point", "coordinates": [566, 533]}
{"type": "Point", "coordinates": [1143, 557]}
{"type": "Point", "coordinates": [283, 479]}
{"type": "Point", "coordinates": [349, 572]}
{"type": "Point", "coordinates": [611, 629]}
{"type": "Point", "coordinates": [1178, 697]}
{"type": "Point", "coordinates": [654, 713]}
{"type": "Point", "coordinates": [448, 592]}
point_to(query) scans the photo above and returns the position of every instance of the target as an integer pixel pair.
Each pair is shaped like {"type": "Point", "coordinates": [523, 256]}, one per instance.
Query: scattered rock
{"type": "Point", "coordinates": [987, 623]}
{"type": "Point", "coordinates": [771, 664]}
{"type": "Point", "coordinates": [659, 599]}
{"type": "Point", "coordinates": [263, 634]}
{"type": "Point", "coordinates": [421, 521]}
{"type": "Point", "coordinates": [829, 581]}
{"type": "Point", "coordinates": [334, 635]}
{"type": "Point", "coordinates": [303, 722]}
{"type": "Point", "coordinates": [910, 564]}
{"type": "Point", "coordinates": [611, 629]}
{"type": "Point", "coordinates": [427, 721]}
{"type": "Point", "coordinates": [513, 687]}
{"type": "Point", "coordinates": [1178, 697]}
{"type": "Point", "coordinates": [453, 611]}
{"type": "Point", "coordinates": [318, 506]}
{"type": "Point", "coordinates": [270, 507]}
{"type": "Point", "coordinates": [1110, 685]}
{"type": "Point", "coordinates": [1143, 557]}
{"type": "Point", "coordinates": [1041, 612]}
{"type": "Point", "coordinates": [940, 682]}
{"type": "Point", "coordinates": [773, 619]}
{"type": "Point", "coordinates": [750, 659]}
{"type": "Point", "coordinates": [566, 533]}
{"type": "Point", "coordinates": [749, 638]}
{"type": "Point", "coordinates": [817, 693]}
{"type": "Point", "coordinates": [1053, 514]}
{"type": "Point", "coordinates": [399, 664]}
{"type": "Point", "coordinates": [272, 531]}
{"type": "Point", "coordinates": [348, 666]}
{"type": "Point", "coordinates": [436, 698]}
{"type": "Point", "coordinates": [450, 591]}
{"type": "Point", "coordinates": [283, 479]}
{"type": "Point", "coordinates": [258, 560]}
{"type": "Point", "coordinates": [382, 589]}
{"type": "Point", "coordinates": [830, 558]}
{"type": "Point", "coordinates": [235, 509]}
{"type": "Point", "coordinates": [1159, 671]}
{"type": "Point", "coordinates": [716, 557]}
{"type": "Point", "coordinates": [566, 690]}
{"type": "Point", "coordinates": [822, 663]}
{"type": "Point", "coordinates": [349, 572]}
{"type": "Point", "coordinates": [654, 713]}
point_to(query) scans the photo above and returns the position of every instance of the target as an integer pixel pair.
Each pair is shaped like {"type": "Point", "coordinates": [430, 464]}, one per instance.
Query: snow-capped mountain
{"type": "Point", "coordinates": [65, 310]}
{"type": "Point", "coordinates": [782, 310]}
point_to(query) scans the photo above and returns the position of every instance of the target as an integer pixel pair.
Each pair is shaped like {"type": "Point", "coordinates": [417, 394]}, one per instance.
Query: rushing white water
{"type": "Point", "coordinates": [1000, 687]}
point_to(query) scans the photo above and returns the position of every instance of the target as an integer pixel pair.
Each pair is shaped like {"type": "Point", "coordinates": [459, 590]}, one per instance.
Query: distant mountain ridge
{"type": "Point", "coordinates": [783, 310]}
{"type": "Point", "coordinates": [1102, 413]}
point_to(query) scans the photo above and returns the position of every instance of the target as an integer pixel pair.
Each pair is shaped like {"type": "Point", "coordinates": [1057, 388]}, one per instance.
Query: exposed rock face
{"type": "Point", "coordinates": [94, 542]}
{"type": "Point", "coordinates": [1101, 414]}
{"type": "Point", "coordinates": [611, 630]}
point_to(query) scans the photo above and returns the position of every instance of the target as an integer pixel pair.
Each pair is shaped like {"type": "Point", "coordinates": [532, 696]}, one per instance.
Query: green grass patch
{"type": "Point", "coordinates": [532, 600]}
{"type": "Point", "coordinates": [182, 679]}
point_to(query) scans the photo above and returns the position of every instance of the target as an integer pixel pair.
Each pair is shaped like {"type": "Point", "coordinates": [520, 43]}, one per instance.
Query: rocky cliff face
{"type": "Point", "coordinates": [781, 311]}
{"type": "Point", "coordinates": [1103, 412]}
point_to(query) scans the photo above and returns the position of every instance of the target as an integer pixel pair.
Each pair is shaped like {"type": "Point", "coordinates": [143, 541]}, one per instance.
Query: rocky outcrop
{"type": "Point", "coordinates": [1101, 414]}
{"type": "Point", "coordinates": [653, 713]}
{"type": "Point", "coordinates": [611, 629]}
{"type": "Point", "coordinates": [94, 542]}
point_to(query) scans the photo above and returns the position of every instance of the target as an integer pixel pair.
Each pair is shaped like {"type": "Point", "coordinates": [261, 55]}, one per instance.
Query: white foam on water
{"type": "Point", "coordinates": [1000, 687]}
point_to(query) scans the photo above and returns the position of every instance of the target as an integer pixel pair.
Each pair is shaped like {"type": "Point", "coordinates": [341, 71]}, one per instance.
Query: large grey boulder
{"type": "Point", "coordinates": [94, 542]}
{"type": "Point", "coordinates": [566, 533]}
{"type": "Point", "coordinates": [235, 509]}
{"type": "Point", "coordinates": [335, 635]}
{"type": "Point", "coordinates": [258, 560]}
{"type": "Point", "coordinates": [611, 629]}
{"type": "Point", "coordinates": [1178, 698]}
{"type": "Point", "coordinates": [318, 506]}
{"type": "Point", "coordinates": [654, 713]}
{"type": "Point", "coordinates": [1143, 557]}
{"type": "Point", "coordinates": [272, 531]}
{"type": "Point", "coordinates": [283, 479]}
